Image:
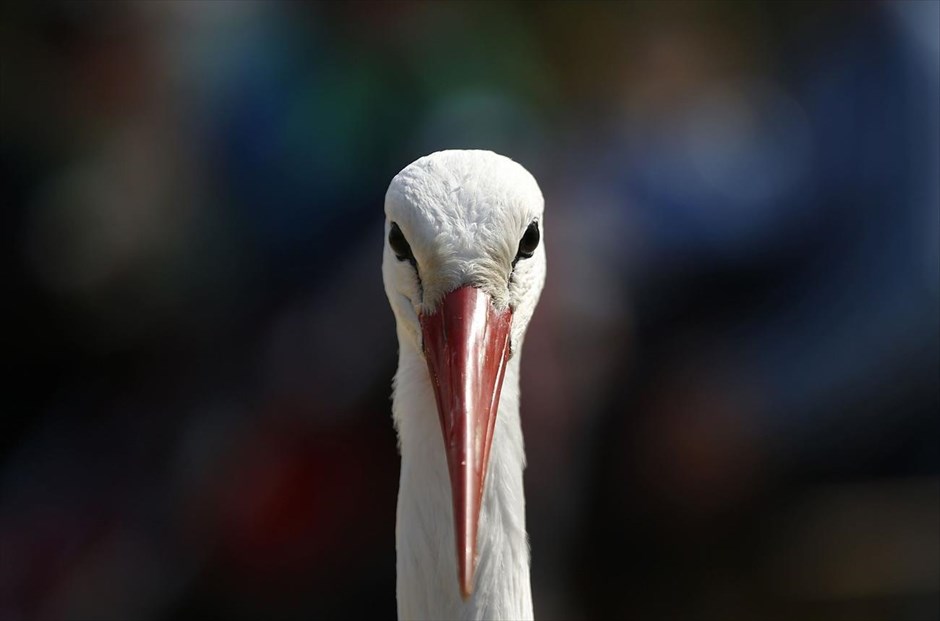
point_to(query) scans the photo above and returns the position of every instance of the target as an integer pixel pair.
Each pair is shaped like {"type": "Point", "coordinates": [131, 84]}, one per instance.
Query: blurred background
{"type": "Point", "coordinates": [730, 388]}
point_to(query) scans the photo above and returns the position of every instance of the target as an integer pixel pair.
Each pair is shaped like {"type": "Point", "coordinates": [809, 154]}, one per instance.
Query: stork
{"type": "Point", "coordinates": [463, 268]}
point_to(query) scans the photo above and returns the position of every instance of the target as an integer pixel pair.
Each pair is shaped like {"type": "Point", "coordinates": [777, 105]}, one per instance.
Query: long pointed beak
{"type": "Point", "coordinates": [466, 345]}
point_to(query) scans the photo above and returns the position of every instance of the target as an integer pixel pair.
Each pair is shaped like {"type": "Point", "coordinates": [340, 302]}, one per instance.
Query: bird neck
{"type": "Point", "coordinates": [427, 566]}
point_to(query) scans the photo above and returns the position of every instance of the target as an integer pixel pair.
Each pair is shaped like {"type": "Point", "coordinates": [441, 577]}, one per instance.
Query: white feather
{"type": "Point", "coordinates": [463, 214]}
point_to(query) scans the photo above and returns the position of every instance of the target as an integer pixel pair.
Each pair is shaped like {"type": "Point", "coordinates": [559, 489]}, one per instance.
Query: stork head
{"type": "Point", "coordinates": [464, 265]}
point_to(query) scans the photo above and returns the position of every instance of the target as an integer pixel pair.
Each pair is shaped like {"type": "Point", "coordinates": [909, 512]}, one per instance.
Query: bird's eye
{"type": "Point", "coordinates": [399, 245]}
{"type": "Point", "coordinates": [529, 242]}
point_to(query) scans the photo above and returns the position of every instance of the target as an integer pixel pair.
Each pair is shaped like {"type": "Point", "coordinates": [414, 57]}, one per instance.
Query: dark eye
{"type": "Point", "coordinates": [399, 245]}
{"type": "Point", "coordinates": [529, 242]}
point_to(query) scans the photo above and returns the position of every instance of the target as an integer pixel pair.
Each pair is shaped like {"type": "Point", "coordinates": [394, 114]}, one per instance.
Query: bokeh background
{"type": "Point", "coordinates": [730, 388]}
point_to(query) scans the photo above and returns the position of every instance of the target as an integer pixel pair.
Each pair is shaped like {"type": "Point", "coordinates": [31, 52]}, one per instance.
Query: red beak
{"type": "Point", "coordinates": [466, 345]}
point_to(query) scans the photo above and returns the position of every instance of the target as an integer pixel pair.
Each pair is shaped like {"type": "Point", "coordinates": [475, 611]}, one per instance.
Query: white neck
{"type": "Point", "coordinates": [427, 568]}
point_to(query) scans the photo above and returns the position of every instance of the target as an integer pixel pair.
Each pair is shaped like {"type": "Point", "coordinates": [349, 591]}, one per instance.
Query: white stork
{"type": "Point", "coordinates": [463, 268]}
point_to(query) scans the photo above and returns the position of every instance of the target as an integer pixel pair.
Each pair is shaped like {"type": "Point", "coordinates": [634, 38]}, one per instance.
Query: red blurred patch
{"type": "Point", "coordinates": [295, 503]}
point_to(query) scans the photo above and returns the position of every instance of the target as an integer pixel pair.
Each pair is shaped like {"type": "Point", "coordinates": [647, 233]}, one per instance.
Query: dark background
{"type": "Point", "coordinates": [730, 388]}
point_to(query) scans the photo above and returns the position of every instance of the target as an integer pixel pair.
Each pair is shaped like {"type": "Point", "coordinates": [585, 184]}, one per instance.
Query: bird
{"type": "Point", "coordinates": [463, 268]}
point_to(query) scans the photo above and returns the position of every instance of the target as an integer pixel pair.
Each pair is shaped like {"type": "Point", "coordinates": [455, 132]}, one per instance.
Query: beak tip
{"type": "Point", "coordinates": [465, 576]}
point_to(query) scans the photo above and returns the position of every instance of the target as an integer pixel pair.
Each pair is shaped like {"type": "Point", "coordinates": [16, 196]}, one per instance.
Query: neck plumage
{"type": "Point", "coordinates": [427, 566]}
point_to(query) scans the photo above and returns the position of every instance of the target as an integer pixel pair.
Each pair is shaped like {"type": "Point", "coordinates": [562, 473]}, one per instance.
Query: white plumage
{"type": "Point", "coordinates": [463, 214]}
